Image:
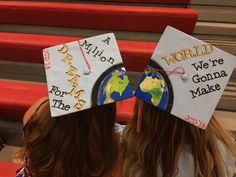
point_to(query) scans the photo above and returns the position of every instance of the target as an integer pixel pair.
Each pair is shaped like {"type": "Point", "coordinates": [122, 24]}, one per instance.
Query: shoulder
{"type": "Point", "coordinates": [228, 159]}
{"type": "Point", "coordinates": [186, 164]}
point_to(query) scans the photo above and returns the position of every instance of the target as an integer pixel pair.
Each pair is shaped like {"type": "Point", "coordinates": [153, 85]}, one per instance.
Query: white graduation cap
{"type": "Point", "coordinates": [85, 73]}
{"type": "Point", "coordinates": [186, 77]}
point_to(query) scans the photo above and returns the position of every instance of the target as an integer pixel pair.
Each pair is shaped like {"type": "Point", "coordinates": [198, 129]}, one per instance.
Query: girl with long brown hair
{"type": "Point", "coordinates": [170, 147]}
{"type": "Point", "coordinates": [185, 139]}
{"type": "Point", "coordinates": [82, 144]}
{"type": "Point", "coordinates": [72, 134]}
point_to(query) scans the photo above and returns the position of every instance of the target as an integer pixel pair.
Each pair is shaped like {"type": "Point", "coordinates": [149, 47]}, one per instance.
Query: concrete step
{"type": "Point", "coordinates": [11, 132]}
{"type": "Point", "coordinates": [215, 13]}
{"type": "Point", "coordinates": [202, 30]}
{"type": "Point", "coordinates": [7, 152]}
{"type": "Point", "coordinates": [228, 120]}
{"type": "Point", "coordinates": [214, 2]}
{"type": "Point", "coordinates": [213, 28]}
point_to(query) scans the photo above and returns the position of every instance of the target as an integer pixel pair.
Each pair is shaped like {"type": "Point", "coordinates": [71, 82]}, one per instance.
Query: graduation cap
{"type": "Point", "coordinates": [186, 77]}
{"type": "Point", "coordinates": [84, 74]}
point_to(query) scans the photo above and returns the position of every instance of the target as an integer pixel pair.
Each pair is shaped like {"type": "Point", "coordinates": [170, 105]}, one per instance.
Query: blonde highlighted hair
{"type": "Point", "coordinates": [163, 139]}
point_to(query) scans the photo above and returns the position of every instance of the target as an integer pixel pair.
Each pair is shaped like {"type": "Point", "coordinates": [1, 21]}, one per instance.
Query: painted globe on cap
{"type": "Point", "coordinates": [113, 85]}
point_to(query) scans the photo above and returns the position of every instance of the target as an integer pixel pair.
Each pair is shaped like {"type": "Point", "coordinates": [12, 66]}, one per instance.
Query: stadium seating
{"type": "Point", "coordinates": [28, 48]}
{"type": "Point", "coordinates": [112, 17]}
{"type": "Point", "coordinates": [16, 97]}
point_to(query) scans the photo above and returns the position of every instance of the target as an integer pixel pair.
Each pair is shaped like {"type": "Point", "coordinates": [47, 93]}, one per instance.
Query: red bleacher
{"type": "Point", "coordinates": [19, 96]}
{"type": "Point", "coordinates": [28, 48]}
{"type": "Point", "coordinates": [16, 97]}
{"type": "Point", "coordinates": [137, 18]}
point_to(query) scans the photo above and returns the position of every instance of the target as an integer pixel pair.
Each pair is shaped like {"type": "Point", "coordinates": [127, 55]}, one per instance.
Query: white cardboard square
{"type": "Point", "coordinates": [85, 73]}
{"type": "Point", "coordinates": [193, 96]}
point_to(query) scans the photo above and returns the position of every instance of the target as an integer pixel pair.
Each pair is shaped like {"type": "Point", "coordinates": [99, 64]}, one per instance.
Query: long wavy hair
{"type": "Point", "coordinates": [81, 144]}
{"type": "Point", "coordinates": [162, 140]}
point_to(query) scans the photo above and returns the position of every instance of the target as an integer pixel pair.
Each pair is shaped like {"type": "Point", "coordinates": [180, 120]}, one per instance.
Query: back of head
{"type": "Point", "coordinates": [76, 145]}
{"type": "Point", "coordinates": [163, 139]}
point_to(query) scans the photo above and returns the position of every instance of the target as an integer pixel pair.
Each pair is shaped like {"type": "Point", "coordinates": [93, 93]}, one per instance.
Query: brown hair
{"type": "Point", "coordinates": [81, 144]}
{"type": "Point", "coordinates": [162, 140]}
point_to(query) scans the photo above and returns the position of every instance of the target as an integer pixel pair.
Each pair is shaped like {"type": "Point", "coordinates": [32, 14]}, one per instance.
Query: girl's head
{"type": "Point", "coordinates": [162, 140]}
{"type": "Point", "coordinates": [78, 144]}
